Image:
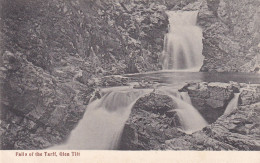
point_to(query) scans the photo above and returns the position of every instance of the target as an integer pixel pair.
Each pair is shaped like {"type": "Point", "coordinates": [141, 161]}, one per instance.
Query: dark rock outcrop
{"type": "Point", "coordinates": [152, 121]}
{"type": "Point", "coordinates": [250, 95]}
{"type": "Point", "coordinates": [111, 81]}
{"type": "Point", "coordinates": [210, 99]}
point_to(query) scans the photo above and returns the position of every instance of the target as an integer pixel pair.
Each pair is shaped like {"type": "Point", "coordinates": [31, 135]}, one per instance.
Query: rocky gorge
{"type": "Point", "coordinates": [57, 55]}
{"type": "Point", "coordinates": [159, 129]}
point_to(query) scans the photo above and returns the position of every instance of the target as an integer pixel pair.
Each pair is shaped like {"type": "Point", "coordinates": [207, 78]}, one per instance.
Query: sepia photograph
{"type": "Point", "coordinates": [129, 75]}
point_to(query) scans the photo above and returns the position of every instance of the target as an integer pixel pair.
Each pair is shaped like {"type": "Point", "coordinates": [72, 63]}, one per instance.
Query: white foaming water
{"type": "Point", "coordinates": [185, 97]}
{"type": "Point", "coordinates": [183, 44]}
{"type": "Point", "coordinates": [232, 104]}
{"type": "Point", "coordinates": [103, 121]}
{"type": "Point", "coordinates": [190, 119]}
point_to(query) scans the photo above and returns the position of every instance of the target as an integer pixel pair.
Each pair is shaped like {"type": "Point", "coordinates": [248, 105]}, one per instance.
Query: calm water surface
{"type": "Point", "coordinates": [183, 77]}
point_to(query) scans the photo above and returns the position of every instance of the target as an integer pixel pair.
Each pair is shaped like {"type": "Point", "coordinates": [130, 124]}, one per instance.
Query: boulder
{"type": "Point", "coordinates": [112, 81]}
{"type": "Point", "coordinates": [211, 99]}
{"type": "Point", "coordinates": [155, 103]}
{"type": "Point", "coordinates": [249, 95]}
{"type": "Point", "coordinates": [152, 122]}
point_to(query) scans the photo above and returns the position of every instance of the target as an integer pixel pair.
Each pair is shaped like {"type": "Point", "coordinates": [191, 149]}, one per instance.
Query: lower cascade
{"type": "Point", "coordinates": [232, 104]}
{"type": "Point", "coordinates": [104, 119]}
{"type": "Point", "coordinates": [183, 43]}
{"type": "Point", "coordinates": [190, 118]}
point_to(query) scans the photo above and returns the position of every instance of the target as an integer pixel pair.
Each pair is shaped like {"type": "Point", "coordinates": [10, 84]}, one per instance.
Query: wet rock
{"type": "Point", "coordinates": [111, 81]}
{"type": "Point", "coordinates": [250, 95]}
{"type": "Point", "coordinates": [152, 122]}
{"type": "Point", "coordinates": [212, 98]}
{"type": "Point", "coordinates": [10, 62]}
{"type": "Point", "coordinates": [155, 103]}
{"type": "Point", "coordinates": [220, 91]}
{"type": "Point", "coordinates": [143, 84]}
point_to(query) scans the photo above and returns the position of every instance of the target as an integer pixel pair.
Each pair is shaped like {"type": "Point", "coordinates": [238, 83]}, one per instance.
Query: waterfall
{"type": "Point", "coordinates": [103, 121]}
{"type": "Point", "coordinates": [185, 97]}
{"type": "Point", "coordinates": [190, 119]}
{"type": "Point", "coordinates": [183, 43]}
{"type": "Point", "coordinates": [232, 104]}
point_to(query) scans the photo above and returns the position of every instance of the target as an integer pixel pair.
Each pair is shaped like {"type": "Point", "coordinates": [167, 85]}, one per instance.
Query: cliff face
{"type": "Point", "coordinates": [231, 31]}
{"type": "Point", "coordinates": [110, 37]}
{"type": "Point", "coordinates": [37, 109]}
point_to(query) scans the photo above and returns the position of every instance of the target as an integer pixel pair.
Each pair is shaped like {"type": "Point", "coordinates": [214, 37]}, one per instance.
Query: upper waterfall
{"type": "Point", "coordinates": [183, 43]}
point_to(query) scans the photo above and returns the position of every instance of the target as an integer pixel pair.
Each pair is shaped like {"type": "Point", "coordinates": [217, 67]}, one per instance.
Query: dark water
{"type": "Point", "coordinates": [183, 77]}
